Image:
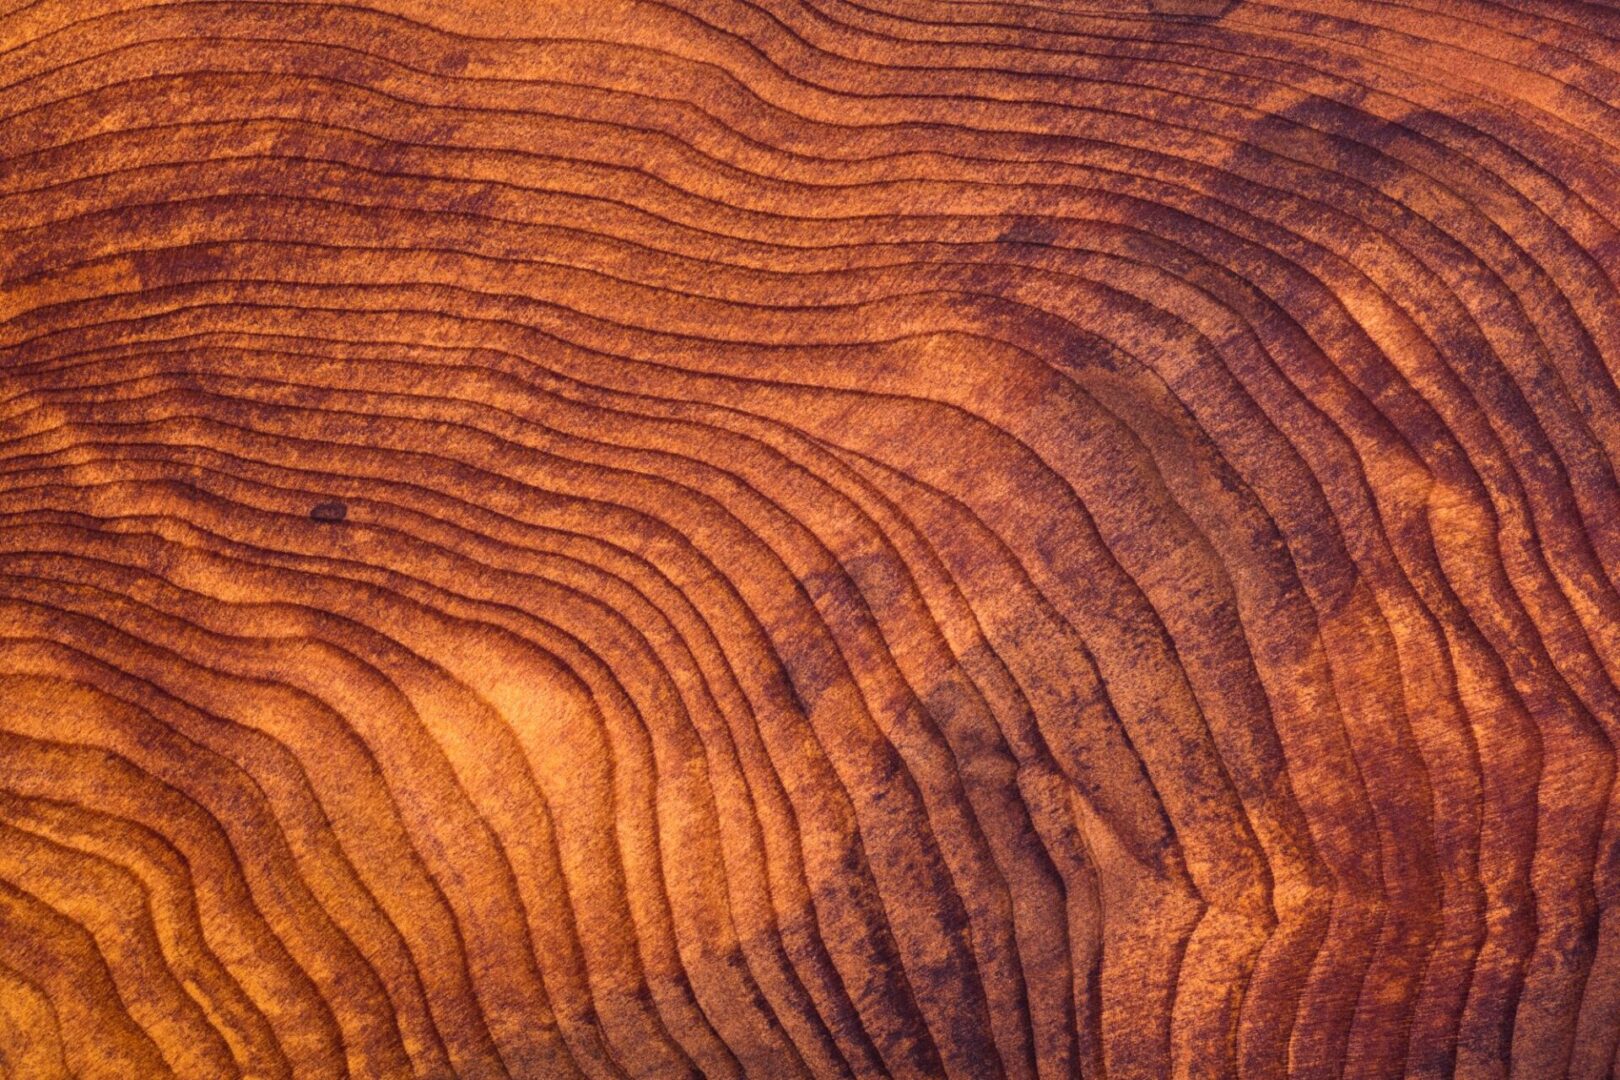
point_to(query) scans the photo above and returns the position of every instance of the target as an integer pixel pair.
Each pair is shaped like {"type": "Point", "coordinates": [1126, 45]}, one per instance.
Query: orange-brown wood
{"type": "Point", "coordinates": [809, 538]}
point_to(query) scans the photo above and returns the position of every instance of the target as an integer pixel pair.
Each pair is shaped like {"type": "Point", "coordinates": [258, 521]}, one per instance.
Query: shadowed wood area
{"type": "Point", "coordinates": [809, 538]}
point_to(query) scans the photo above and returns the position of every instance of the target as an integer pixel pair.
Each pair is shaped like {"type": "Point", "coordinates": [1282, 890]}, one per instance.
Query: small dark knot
{"type": "Point", "coordinates": [329, 511]}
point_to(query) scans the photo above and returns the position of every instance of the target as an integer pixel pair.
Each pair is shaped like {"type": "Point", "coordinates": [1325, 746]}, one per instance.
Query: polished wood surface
{"type": "Point", "coordinates": [809, 538]}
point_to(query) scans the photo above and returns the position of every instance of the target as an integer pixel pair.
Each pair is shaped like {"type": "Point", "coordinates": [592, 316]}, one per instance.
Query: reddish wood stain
{"type": "Point", "coordinates": [809, 538]}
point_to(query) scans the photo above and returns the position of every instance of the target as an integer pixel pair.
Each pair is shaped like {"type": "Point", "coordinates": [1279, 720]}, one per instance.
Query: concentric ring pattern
{"type": "Point", "coordinates": [809, 538]}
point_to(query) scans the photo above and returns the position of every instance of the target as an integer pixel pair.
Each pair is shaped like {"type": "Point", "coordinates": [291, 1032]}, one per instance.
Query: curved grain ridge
{"type": "Point", "coordinates": [809, 538]}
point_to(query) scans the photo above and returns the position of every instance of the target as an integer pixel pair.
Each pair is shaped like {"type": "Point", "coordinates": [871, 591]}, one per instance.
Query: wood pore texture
{"type": "Point", "coordinates": [809, 538]}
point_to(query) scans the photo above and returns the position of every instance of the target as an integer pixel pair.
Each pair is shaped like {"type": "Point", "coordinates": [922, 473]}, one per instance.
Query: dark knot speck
{"type": "Point", "coordinates": [329, 511]}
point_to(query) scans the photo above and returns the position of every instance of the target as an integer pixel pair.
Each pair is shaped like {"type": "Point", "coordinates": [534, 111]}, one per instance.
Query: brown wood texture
{"type": "Point", "coordinates": [809, 538]}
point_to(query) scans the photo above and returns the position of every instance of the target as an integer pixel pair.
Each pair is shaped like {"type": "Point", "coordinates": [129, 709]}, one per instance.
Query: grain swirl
{"type": "Point", "coordinates": [809, 538]}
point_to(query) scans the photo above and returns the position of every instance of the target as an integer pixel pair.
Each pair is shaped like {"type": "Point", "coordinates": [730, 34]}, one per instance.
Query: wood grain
{"type": "Point", "coordinates": [809, 538]}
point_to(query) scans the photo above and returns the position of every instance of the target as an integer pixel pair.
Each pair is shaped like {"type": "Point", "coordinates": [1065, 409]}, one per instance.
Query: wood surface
{"type": "Point", "coordinates": [809, 538]}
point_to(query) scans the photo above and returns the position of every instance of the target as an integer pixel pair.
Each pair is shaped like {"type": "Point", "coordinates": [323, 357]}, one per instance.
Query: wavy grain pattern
{"type": "Point", "coordinates": [809, 538]}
